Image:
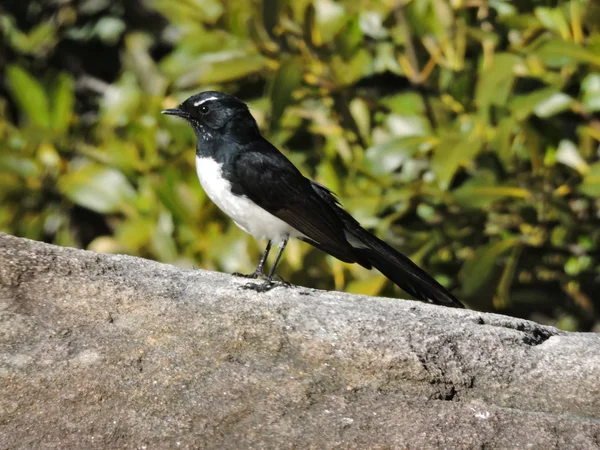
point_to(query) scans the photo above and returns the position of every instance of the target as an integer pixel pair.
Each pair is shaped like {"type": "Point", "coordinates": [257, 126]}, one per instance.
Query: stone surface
{"type": "Point", "coordinates": [105, 351]}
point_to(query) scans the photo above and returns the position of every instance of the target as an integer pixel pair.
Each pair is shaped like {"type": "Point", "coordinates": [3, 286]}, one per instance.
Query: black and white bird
{"type": "Point", "coordinates": [266, 196]}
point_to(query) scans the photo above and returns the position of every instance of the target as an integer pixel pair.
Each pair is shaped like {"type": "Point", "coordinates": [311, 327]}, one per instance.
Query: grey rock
{"type": "Point", "coordinates": [110, 351]}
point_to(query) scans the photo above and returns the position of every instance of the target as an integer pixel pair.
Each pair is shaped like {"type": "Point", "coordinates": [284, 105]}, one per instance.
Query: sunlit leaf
{"type": "Point", "coordinates": [591, 181]}
{"type": "Point", "coordinates": [524, 105]}
{"type": "Point", "coordinates": [37, 41]}
{"type": "Point", "coordinates": [162, 242]}
{"type": "Point", "coordinates": [554, 104]}
{"type": "Point", "coordinates": [109, 29]}
{"type": "Point", "coordinates": [450, 154]}
{"type": "Point", "coordinates": [63, 100]}
{"type": "Point", "coordinates": [29, 95]}
{"type": "Point", "coordinates": [330, 19]}
{"type": "Point", "coordinates": [370, 285]}
{"type": "Point", "coordinates": [480, 193]}
{"type": "Point", "coordinates": [591, 92]}
{"type": "Point", "coordinates": [287, 79]}
{"type": "Point", "coordinates": [568, 155]}
{"type": "Point", "coordinates": [478, 271]}
{"type": "Point", "coordinates": [137, 58]}
{"type": "Point", "coordinates": [98, 188]}
{"type": "Point", "coordinates": [221, 67]}
{"type": "Point", "coordinates": [191, 11]}
{"type": "Point", "coordinates": [359, 66]}
{"type": "Point", "coordinates": [389, 155]}
{"type": "Point", "coordinates": [553, 19]}
{"type": "Point", "coordinates": [362, 118]}
{"type": "Point", "coordinates": [557, 52]}
{"type": "Point", "coordinates": [18, 166]}
{"type": "Point", "coordinates": [496, 82]}
{"type": "Point", "coordinates": [503, 140]}
{"type": "Point", "coordinates": [503, 8]}
{"type": "Point", "coordinates": [371, 24]}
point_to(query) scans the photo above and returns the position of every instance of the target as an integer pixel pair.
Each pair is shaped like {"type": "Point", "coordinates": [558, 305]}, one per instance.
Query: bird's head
{"type": "Point", "coordinates": [213, 113]}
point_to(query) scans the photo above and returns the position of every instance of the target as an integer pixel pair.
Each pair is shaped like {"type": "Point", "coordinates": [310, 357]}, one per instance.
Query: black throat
{"type": "Point", "coordinates": [224, 143]}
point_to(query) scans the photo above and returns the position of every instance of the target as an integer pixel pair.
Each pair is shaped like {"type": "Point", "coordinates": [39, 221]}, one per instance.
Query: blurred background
{"type": "Point", "coordinates": [465, 133]}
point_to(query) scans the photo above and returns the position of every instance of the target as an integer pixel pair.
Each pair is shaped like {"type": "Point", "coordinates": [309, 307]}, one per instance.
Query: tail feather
{"type": "Point", "coordinates": [402, 271]}
{"type": "Point", "coordinates": [373, 252]}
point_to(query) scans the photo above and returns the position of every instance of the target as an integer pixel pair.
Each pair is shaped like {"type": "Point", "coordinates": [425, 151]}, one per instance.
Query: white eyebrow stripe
{"type": "Point", "coordinates": [205, 100]}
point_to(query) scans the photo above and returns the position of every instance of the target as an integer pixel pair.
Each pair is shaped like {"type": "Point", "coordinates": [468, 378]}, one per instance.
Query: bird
{"type": "Point", "coordinates": [267, 196]}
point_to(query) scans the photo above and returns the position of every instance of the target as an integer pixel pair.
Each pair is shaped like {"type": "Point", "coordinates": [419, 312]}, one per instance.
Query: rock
{"type": "Point", "coordinates": [111, 351]}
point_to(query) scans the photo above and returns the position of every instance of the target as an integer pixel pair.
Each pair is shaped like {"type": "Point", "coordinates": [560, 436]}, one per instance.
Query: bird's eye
{"type": "Point", "coordinates": [203, 109]}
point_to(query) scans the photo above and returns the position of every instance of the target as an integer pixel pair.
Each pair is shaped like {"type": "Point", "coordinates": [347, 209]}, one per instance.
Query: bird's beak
{"type": "Point", "coordinates": [175, 112]}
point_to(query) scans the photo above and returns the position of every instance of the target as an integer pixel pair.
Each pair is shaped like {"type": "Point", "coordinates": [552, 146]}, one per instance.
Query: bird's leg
{"type": "Point", "coordinates": [279, 253]}
{"type": "Point", "coordinates": [268, 283]}
{"type": "Point", "coordinates": [258, 272]}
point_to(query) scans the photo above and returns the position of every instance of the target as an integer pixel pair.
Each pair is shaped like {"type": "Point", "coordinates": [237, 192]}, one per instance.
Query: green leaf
{"type": "Point", "coordinates": [137, 59]}
{"type": "Point", "coordinates": [591, 181]}
{"type": "Point", "coordinates": [450, 154]}
{"type": "Point", "coordinates": [481, 193]}
{"type": "Point", "coordinates": [98, 188]}
{"type": "Point", "coordinates": [567, 154]}
{"type": "Point", "coordinates": [370, 285]}
{"type": "Point", "coordinates": [191, 12]}
{"type": "Point", "coordinates": [388, 156]}
{"type": "Point", "coordinates": [504, 9]}
{"type": "Point", "coordinates": [221, 67]}
{"type": "Point", "coordinates": [477, 272]}
{"type": "Point", "coordinates": [330, 19]}
{"type": "Point", "coordinates": [287, 79]}
{"type": "Point", "coordinates": [271, 12]}
{"type": "Point", "coordinates": [553, 19]}
{"type": "Point", "coordinates": [349, 72]}
{"type": "Point", "coordinates": [557, 53]}
{"type": "Point", "coordinates": [38, 41]}
{"type": "Point", "coordinates": [522, 106]}
{"type": "Point", "coordinates": [495, 84]}
{"type": "Point", "coordinates": [406, 104]}
{"type": "Point", "coordinates": [162, 241]}
{"type": "Point", "coordinates": [554, 104]}
{"type": "Point", "coordinates": [29, 95]}
{"type": "Point", "coordinates": [362, 117]}
{"type": "Point", "coordinates": [591, 92]}
{"type": "Point", "coordinates": [20, 166]}
{"type": "Point", "coordinates": [503, 139]}
{"type": "Point", "coordinates": [63, 99]}
{"type": "Point", "coordinates": [109, 29]}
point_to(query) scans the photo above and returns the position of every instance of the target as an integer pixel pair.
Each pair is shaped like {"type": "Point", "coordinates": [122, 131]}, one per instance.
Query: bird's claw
{"type": "Point", "coordinates": [254, 275]}
{"type": "Point", "coordinates": [259, 287]}
{"type": "Point", "coordinates": [283, 283]}
{"type": "Point", "coordinates": [280, 280]}
{"type": "Point", "coordinates": [265, 286]}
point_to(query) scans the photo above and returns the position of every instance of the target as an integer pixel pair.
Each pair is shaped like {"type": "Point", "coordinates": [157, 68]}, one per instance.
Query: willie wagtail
{"type": "Point", "coordinates": [267, 196]}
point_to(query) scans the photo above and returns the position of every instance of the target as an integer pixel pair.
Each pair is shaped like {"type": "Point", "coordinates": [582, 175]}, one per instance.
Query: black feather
{"type": "Point", "coordinates": [393, 264]}
{"type": "Point", "coordinates": [270, 180]}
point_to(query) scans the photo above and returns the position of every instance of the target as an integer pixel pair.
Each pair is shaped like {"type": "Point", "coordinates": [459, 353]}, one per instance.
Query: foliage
{"type": "Point", "coordinates": [464, 133]}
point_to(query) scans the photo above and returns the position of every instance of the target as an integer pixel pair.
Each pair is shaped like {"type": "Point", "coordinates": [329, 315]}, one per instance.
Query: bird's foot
{"type": "Point", "coordinates": [254, 275]}
{"type": "Point", "coordinates": [281, 281]}
{"type": "Point", "coordinates": [266, 285]}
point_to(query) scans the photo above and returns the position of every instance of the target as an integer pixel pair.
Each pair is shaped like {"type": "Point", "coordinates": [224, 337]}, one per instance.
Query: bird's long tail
{"type": "Point", "coordinates": [373, 252]}
{"type": "Point", "coordinates": [401, 270]}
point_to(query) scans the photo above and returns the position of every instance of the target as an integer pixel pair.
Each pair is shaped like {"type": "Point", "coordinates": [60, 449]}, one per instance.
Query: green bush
{"type": "Point", "coordinates": [466, 134]}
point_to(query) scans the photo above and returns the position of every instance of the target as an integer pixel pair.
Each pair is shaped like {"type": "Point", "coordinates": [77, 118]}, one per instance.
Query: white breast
{"type": "Point", "coordinates": [246, 214]}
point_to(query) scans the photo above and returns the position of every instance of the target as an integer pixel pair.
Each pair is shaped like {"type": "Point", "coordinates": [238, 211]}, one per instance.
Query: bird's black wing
{"type": "Point", "coordinates": [271, 181]}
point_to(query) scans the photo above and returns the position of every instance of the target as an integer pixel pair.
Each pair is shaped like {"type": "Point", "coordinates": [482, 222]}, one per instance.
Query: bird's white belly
{"type": "Point", "coordinates": [246, 214]}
